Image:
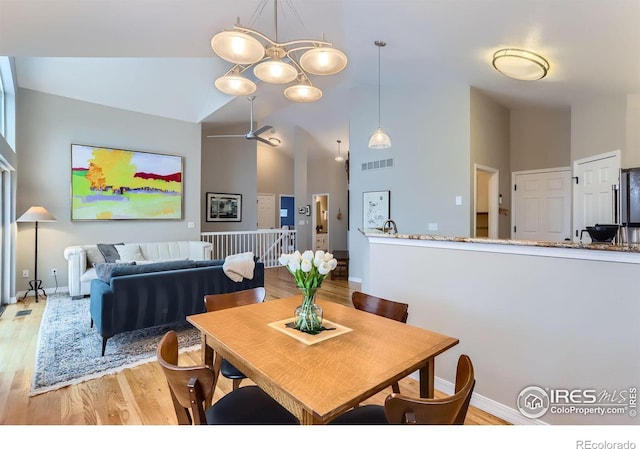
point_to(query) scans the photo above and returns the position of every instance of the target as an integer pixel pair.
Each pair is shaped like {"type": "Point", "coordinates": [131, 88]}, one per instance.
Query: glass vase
{"type": "Point", "coordinates": [308, 315]}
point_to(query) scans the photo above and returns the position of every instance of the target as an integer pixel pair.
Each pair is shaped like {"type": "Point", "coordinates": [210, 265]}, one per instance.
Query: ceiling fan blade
{"type": "Point", "coordinates": [228, 135]}
{"type": "Point", "coordinates": [263, 140]}
{"type": "Point", "coordinates": [263, 129]}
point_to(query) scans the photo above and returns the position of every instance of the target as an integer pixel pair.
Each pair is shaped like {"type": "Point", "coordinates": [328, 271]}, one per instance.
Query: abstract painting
{"type": "Point", "coordinates": [114, 184]}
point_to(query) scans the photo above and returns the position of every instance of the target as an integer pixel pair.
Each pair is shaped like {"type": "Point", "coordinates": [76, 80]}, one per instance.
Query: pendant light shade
{"type": "Point", "coordinates": [275, 70]}
{"type": "Point", "coordinates": [339, 157]}
{"type": "Point", "coordinates": [323, 61]}
{"type": "Point", "coordinates": [237, 47]}
{"type": "Point", "coordinates": [379, 140]}
{"type": "Point", "coordinates": [235, 84]}
{"type": "Point", "coordinates": [303, 93]}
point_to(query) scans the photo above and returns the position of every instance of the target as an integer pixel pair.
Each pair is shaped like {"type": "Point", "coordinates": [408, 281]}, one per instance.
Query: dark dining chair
{"type": "Point", "coordinates": [223, 301]}
{"type": "Point", "coordinates": [192, 389]}
{"type": "Point", "coordinates": [387, 308]}
{"type": "Point", "coordinates": [400, 409]}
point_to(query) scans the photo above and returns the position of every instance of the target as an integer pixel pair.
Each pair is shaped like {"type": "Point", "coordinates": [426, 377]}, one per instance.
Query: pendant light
{"type": "Point", "coordinates": [339, 157]}
{"type": "Point", "coordinates": [379, 140]}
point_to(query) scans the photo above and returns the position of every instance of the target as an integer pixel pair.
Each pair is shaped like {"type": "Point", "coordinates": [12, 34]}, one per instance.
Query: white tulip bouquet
{"type": "Point", "coordinates": [309, 270]}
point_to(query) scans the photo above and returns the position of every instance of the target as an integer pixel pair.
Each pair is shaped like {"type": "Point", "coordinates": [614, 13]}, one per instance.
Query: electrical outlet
{"type": "Point", "coordinates": [25, 274]}
{"type": "Point", "coordinates": [54, 272]}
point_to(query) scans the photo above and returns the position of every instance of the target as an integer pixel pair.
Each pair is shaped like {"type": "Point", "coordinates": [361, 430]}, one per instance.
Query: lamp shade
{"type": "Point", "coordinates": [323, 61]}
{"type": "Point", "coordinates": [303, 93]}
{"type": "Point", "coordinates": [234, 84]}
{"type": "Point", "coordinates": [379, 140]}
{"type": "Point", "coordinates": [237, 47]}
{"type": "Point", "coordinates": [520, 64]}
{"type": "Point", "coordinates": [36, 213]}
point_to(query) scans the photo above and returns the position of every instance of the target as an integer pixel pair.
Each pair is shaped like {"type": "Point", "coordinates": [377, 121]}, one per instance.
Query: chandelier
{"type": "Point", "coordinates": [274, 62]}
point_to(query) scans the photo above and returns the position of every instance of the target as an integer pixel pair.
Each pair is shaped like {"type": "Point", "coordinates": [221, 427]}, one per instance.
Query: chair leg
{"type": "Point", "coordinates": [236, 383]}
{"type": "Point", "coordinates": [104, 344]}
{"type": "Point", "coordinates": [396, 388]}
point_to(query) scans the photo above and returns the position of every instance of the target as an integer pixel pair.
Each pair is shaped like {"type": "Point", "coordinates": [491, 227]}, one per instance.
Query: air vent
{"type": "Point", "coordinates": [377, 165]}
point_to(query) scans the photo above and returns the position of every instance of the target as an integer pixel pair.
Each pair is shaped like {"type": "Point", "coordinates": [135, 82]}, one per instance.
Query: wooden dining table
{"type": "Point", "coordinates": [318, 377]}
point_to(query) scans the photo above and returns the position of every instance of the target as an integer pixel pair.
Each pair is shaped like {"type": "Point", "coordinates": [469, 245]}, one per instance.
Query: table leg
{"type": "Point", "coordinates": [427, 376]}
{"type": "Point", "coordinates": [207, 351]}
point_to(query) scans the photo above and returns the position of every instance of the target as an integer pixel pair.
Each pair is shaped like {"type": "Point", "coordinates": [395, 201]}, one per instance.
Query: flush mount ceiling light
{"type": "Point", "coordinates": [339, 157]}
{"type": "Point", "coordinates": [274, 62]}
{"type": "Point", "coordinates": [520, 64]}
{"type": "Point", "coordinates": [275, 141]}
{"type": "Point", "coordinates": [379, 140]}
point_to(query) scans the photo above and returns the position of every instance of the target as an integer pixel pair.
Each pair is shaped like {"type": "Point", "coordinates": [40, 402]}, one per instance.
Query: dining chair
{"type": "Point", "coordinates": [383, 307]}
{"type": "Point", "coordinates": [400, 409]}
{"type": "Point", "coordinates": [225, 301]}
{"type": "Point", "coordinates": [192, 389]}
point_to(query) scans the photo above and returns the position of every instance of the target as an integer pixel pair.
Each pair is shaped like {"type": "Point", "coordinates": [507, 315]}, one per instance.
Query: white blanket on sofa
{"type": "Point", "coordinates": [239, 266]}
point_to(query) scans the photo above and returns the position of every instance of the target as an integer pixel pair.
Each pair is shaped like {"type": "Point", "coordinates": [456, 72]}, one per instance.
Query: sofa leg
{"type": "Point", "coordinates": [91, 323]}
{"type": "Point", "coordinates": [104, 344]}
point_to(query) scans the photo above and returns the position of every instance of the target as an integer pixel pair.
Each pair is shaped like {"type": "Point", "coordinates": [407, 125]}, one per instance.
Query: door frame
{"type": "Point", "coordinates": [492, 192]}
{"type": "Point", "coordinates": [314, 220]}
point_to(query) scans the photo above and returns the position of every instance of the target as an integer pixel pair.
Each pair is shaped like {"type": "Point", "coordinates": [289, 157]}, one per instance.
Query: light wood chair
{"type": "Point", "coordinates": [192, 389]}
{"type": "Point", "coordinates": [400, 409]}
{"type": "Point", "coordinates": [223, 301]}
{"type": "Point", "coordinates": [394, 310]}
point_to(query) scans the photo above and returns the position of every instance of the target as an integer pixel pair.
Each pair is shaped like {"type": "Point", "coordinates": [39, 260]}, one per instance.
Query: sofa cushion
{"type": "Point", "coordinates": [147, 262]}
{"type": "Point", "coordinates": [94, 255]}
{"type": "Point", "coordinates": [129, 252]}
{"type": "Point", "coordinates": [109, 251]}
{"type": "Point", "coordinates": [125, 270]}
{"type": "Point", "coordinates": [104, 271]}
{"type": "Point", "coordinates": [209, 263]}
{"type": "Point", "coordinates": [89, 274]}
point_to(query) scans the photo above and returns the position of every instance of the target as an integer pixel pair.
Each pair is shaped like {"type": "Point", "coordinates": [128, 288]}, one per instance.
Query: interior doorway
{"type": "Point", "coordinates": [485, 216]}
{"type": "Point", "coordinates": [320, 222]}
{"type": "Point", "coordinates": [287, 211]}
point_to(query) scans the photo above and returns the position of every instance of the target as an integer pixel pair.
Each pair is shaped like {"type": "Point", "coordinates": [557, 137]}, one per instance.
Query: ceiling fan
{"type": "Point", "coordinates": [252, 135]}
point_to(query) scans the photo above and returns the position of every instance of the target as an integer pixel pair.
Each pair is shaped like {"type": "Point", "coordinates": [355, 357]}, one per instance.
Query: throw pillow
{"type": "Point", "coordinates": [109, 251]}
{"type": "Point", "coordinates": [104, 270]}
{"type": "Point", "coordinates": [94, 255]}
{"type": "Point", "coordinates": [129, 253]}
{"type": "Point", "coordinates": [125, 270]}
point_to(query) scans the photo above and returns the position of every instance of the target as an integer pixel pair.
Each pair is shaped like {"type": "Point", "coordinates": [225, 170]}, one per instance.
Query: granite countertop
{"type": "Point", "coordinates": [542, 244]}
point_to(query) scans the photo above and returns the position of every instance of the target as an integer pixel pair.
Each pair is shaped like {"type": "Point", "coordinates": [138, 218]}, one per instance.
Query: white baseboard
{"type": "Point", "coordinates": [353, 279]}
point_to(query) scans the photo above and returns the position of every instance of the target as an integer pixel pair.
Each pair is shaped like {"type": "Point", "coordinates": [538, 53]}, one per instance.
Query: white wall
{"type": "Point", "coordinates": [523, 319]}
{"type": "Point", "coordinates": [47, 126]}
{"type": "Point", "coordinates": [599, 126]}
{"type": "Point", "coordinates": [631, 155]}
{"type": "Point", "coordinates": [429, 130]}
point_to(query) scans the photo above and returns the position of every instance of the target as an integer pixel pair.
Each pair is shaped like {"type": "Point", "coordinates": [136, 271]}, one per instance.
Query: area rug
{"type": "Point", "coordinates": [69, 349]}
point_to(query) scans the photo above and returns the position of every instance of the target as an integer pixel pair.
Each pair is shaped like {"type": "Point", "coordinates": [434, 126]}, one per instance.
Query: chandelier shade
{"type": "Point", "coordinates": [339, 157]}
{"type": "Point", "coordinates": [303, 93]}
{"type": "Point", "coordinates": [235, 84]}
{"type": "Point", "coordinates": [237, 47]}
{"type": "Point", "coordinates": [520, 64]}
{"type": "Point", "coordinates": [323, 61]}
{"type": "Point", "coordinates": [275, 62]}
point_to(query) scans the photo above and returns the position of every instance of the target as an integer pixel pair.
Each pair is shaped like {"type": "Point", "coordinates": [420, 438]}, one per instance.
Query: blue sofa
{"type": "Point", "coordinates": [142, 296]}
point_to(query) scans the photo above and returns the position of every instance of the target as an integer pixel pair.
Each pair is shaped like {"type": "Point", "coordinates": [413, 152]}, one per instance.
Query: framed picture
{"type": "Point", "coordinates": [224, 207]}
{"type": "Point", "coordinates": [375, 208]}
{"type": "Point", "coordinates": [307, 210]}
{"type": "Point", "coordinates": [114, 184]}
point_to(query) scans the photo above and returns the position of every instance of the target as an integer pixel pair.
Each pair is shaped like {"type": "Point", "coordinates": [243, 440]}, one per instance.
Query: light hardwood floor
{"type": "Point", "coordinates": [133, 396]}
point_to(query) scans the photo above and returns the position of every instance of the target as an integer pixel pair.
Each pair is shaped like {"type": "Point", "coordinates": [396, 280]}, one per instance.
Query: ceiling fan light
{"type": "Point", "coordinates": [237, 47]}
{"type": "Point", "coordinates": [303, 93]}
{"type": "Point", "coordinates": [275, 71]}
{"type": "Point", "coordinates": [520, 64]}
{"type": "Point", "coordinates": [234, 84]}
{"type": "Point", "coordinates": [323, 61]}
{"type": "Point", "coordinates": [379, 140]}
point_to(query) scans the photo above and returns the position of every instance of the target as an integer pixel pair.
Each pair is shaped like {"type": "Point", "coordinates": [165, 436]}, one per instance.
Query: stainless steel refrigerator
{"type": "Point", "coordinates": [630, 204]}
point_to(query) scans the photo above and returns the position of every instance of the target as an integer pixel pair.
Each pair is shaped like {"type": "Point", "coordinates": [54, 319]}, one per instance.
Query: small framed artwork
{"type": "Point", "coordinates": [375, 208]}
{"type": "Point", "coordinates": [224, 206]}
{"type": "Point", "coordinates": [307, 210]}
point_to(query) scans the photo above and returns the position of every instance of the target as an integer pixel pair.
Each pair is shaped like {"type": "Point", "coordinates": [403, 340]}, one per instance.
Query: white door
{"type": "Point", "coordinates": [596, 176]}
{"type": "Point", "coordinates": [266, 210]}
{"type": "Point", "coordinates": [541, 205]}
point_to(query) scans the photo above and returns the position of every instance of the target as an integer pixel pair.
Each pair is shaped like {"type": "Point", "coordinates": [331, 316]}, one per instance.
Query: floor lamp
{"type": "Point", "coordinates": [34, 215]}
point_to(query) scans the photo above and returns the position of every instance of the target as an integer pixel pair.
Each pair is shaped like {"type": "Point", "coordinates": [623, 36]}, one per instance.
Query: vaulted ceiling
{"type": "Point", "coordinates": [155, 56]}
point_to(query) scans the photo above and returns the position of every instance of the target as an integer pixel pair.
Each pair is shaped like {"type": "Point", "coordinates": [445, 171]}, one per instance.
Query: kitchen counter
{"type": "Point", "coordinates": [596, 251]}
